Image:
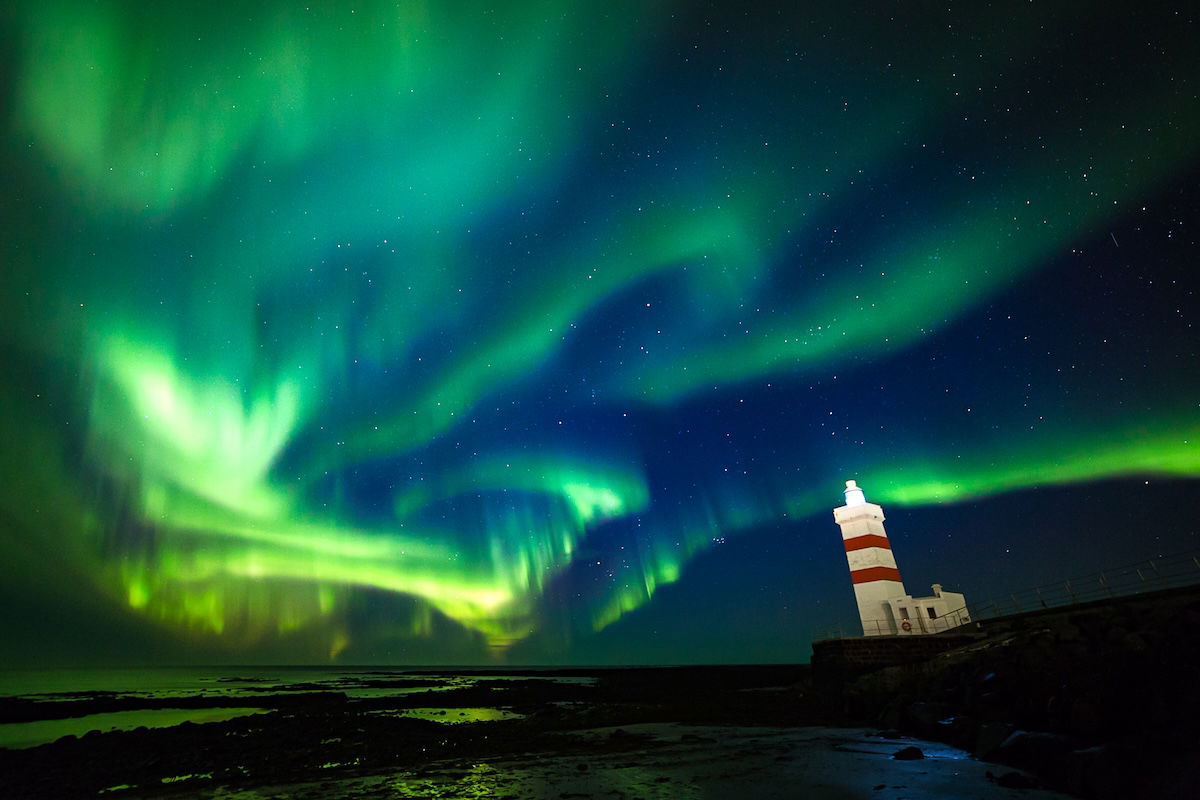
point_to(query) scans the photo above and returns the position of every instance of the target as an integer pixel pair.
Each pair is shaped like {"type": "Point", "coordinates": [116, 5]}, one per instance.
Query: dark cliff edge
{"type": "Point", "coordinates": [1097, 700]}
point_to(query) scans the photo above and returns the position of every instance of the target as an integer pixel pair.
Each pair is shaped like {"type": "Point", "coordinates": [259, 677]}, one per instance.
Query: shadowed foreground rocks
{"type": "Point", "coordinates": [1098, 701]}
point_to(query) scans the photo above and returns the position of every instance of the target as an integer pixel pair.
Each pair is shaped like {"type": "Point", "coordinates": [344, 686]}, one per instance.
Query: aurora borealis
{"type": "Point", "coordinates": [548, 332]}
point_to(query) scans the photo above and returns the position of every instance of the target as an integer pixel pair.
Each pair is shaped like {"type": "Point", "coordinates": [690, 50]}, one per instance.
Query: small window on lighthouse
{"type": "Point", "coordinates": [903, 613]}
{"type": "Point", "coordinates": [932, 613]}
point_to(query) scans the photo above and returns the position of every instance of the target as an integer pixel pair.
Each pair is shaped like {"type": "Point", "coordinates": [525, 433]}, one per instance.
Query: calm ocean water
{"type": "Point", "coordinates": [241, 685]}
{"type": "Point", "coordinates": [168, 681]}
{"type": "Point", "coordinates": [178, 681]}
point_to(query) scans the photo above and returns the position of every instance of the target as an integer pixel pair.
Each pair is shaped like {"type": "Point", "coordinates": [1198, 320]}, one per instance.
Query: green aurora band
{"type": "Point", "coordinates": [284, 254]}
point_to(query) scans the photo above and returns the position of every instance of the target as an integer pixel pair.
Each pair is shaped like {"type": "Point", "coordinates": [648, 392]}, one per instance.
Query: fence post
{"type": "Point", "coordinates": [1016, 605]}
{"type": "Point", "coordinates": [1070, 592]}
{"type": "Point", "coordinates": [1041, 601]}
{"type": "Point", "coordinates": [1104, 583]}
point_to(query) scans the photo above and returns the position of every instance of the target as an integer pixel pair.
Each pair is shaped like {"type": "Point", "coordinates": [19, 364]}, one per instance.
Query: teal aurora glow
{"type": "Point", "coordinates": [445, 332]}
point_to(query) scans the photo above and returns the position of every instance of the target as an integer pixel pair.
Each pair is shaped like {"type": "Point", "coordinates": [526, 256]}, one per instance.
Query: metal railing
{"type": "Point", "coordinates": [886, 627]}
{"type": "Point", "coordinates": [836, 632]}
{"type": "Point", "coordinates": [1153, 574]}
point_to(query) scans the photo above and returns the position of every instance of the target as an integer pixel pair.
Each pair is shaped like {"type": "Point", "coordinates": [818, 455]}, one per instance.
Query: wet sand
{"type": "Point", "coordinates": [678, 762]}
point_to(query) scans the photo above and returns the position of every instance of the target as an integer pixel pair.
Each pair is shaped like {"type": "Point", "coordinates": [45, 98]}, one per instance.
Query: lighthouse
{"type": "Point", "coordinates": [873, 568]}
{"type": "Point", "coordinates": [884, 607]}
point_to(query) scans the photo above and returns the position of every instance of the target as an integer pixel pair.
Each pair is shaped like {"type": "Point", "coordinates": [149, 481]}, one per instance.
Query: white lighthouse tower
{"type": "Point", "coordinates": [873, 568]}
{"type": "Point", "coordinates": [884, 607]}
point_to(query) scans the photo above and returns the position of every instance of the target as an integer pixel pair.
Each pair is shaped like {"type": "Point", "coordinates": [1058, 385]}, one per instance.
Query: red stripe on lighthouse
{"type": "Point", "coordinates": [869, 574]}
{"type": "Point", "coordinates": [865, 541]}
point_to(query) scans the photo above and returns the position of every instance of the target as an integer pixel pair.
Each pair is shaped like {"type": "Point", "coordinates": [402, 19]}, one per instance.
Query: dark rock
{"type": "Point", "coordinates": [1133, 643]}
{"type": "Point", "coordinates": [1069, 633]}
{"type": "Point", "coordinates": [692, 738]}
{"type": "Point", "coordinates": [908, 754]}
{"type": "Point", "coordinates": [925, 716]}
{"type": "Point", "coordinates": [1016, 780]}
{"type": "Point", "coordinates": [959, 731]}
{"type": "Point", "coordinates": [992, 703]}
{"type": "Point", "coordinates": [1144, 766]}
{"type": "Point", "coordinates": [1084, 718]}
{"type": "Point", "coordinates": [1086, 771]}
{"type": "Point", "coordinates": [989, 737]}
{"type": "Point", "coordinates": [1033, 657]}
{"type": "Point", "coordinates": [1039, 752]}
{"type": "Point", "coordinates": [1116, 635]}
{"type": "Point", "coordinates": [893, 714]}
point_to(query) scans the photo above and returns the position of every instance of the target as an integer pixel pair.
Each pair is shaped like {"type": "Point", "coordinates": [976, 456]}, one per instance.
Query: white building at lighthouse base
{"type": "Point", "coordinates": [939, 612]}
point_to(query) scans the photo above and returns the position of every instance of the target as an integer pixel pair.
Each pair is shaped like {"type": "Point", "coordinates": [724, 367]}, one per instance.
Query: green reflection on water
{"type": "Point", "coordinates": [454, 716]}
{"type": "Point", "coordinates": [18, 735]}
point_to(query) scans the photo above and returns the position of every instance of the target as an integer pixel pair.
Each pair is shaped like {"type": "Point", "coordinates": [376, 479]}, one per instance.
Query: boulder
{"type": "Point", "coordinates": [1133, 643]}
{"type": "Point", "coordinates": [1044, 753]}
{"type": "Point", "coordinates": [908, 754]}
{"type": "Point", "coordinates": [1014, 780]}
{"type": "Point", "coordinates": [959, 730]}
{"type": "Point", "coordinates": [924, 717]}
{"type": "Point", "coordinates": [989, 737]}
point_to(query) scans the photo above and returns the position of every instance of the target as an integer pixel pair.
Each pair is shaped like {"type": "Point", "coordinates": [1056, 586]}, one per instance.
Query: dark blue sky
{"type": "Point", "coordinates": [433, 333]}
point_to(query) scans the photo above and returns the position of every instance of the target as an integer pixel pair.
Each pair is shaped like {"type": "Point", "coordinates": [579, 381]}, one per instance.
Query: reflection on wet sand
{"type": "Point", "coordinates": [676, 762]}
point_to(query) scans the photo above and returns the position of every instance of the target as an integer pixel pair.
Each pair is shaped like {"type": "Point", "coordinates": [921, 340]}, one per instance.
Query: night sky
{"type": "Point", "coordinates": [537, 332]}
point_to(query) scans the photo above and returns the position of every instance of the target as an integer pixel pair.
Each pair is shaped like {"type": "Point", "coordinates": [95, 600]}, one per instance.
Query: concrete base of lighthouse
{"type": "Point", "coordinates": [877, 614]}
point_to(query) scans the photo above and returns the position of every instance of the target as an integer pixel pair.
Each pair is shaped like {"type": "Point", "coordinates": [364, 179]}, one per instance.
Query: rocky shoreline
{"type": "Point", "coordinates": [1097, 700]}
{"type": "Point", "coordinates": [316, 735]}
